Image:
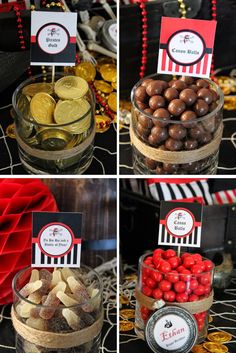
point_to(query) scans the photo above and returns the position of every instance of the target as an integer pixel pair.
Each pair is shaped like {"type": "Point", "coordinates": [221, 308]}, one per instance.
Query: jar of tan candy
{"type": "Point", "coordinates": [176, 125]}
{"type": "Point", "coordinates": [57, 311]}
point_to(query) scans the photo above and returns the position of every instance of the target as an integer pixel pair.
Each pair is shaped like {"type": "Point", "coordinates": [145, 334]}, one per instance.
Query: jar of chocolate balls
{"type": "Point", "coordinates": [57, 310]}
{"type": "Point", "coordinates": [166, 279]}
{"type": "Point", "coordinates": [176, 125]}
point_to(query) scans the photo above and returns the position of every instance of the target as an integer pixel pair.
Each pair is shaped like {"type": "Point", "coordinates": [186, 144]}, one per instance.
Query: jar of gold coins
{"type": "Point", "coordinates": [54, 124]}
{"type": "Point", "coordinates": [57, 310]}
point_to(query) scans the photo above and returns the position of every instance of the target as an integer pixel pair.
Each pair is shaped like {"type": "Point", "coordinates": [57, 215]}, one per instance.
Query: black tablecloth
{"type": "Point", "coordinates": [227, 156]}
{"type": "Point", "coordinates": [104, 161]}
{"type": "Point", "coordinates": [223, 313]}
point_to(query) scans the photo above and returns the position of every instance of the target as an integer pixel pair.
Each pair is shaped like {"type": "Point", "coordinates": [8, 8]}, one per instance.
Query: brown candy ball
{"type": "Point", "coordinates": [146, 82]}
{"type": "Point", "coordinates": [154, 87]}
{"type": "Point", "coordinates": [188, 117]}
{"type": "Point", "coordinates": [163, 114]}
{"type": "Point", "coordinates": [160, 171]}
{"type": "Point", "coordinates": [141, 94]}
{"type": "Point", "coordinates": [209, 124]}
{"type": "Point", "coordinates": [150, 163]}
{"type": "Point", "coordinates": [156, 102]}
{"type": "Point", "coordinates": [173, 145]}
{"type": "Point", "coordinates": [170, 168]}
{"type": "Point", "coordinates": [188, 96]}
{"type": "Point", "coordinates": [171, 93]}
{"type": "Point", "coordinates": [158, 135]}
{"type": "Point", "coordinates": [143, 132]}
{"type": "Point", "coordinates": [196, 132]}
{"type": "Point", "coordinates": [205, 138]}
{"type": "Point", "coordinates": [177, 131]}
{"type": "Point", "coordinates": [187, 79]}
{"type": "Point", "coordinates": [212, 106]}
{"type": "Point", "coordinates": [194, 87]}
{"type": "Point", "coordinates": [192, 167]}
{"type": "Point", "coordinates": [215, 96]}
{"type": "Point", "coordinates": [201, 108]}
{"type": "Point", "coordinates": [145, 121]}
{"type": "Point", "coordinates": [141, 105]}
{"type": "Point", "coordinates": [179, 85]}
{"type": "Point", "coordinates": [202, 83]}
{"type": "Point", "coordinates": [205, 94]}
{"type": "Point", "coordinates": [176, 107]}
{"type": "Point", "coordinates": [190, 144]}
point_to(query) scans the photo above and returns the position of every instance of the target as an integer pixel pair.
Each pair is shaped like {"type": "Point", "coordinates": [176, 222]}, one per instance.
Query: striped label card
{"type": "Point", "coordinates": [56, 239]}
{"type": "Point", "coordinates": [53, 38]}
{"type": "Point", "coordinates": [186, 46]}
{"type": "Point", "coordinates": [180, 224]}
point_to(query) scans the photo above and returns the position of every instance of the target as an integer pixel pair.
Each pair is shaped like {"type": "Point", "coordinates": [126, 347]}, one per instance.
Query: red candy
{"type": "Point", "coordinates": [172, 277]}
{"type": "Point", "coordinates": [157, 294]}
{"type": "Point", "coordinates": [165, 286]}
{"type": "Point", "coordinates": [165, 267]}
{"type": "Point", "coordinates": [188, 261]}
{"type": "Point", "coordinates": [169, 296]}
{"type": "Point", "coordinates": [174, 262]}
{"type": "Point", "coordinates": [150, 283]}
{"type": "Point", "coordinates": [208, 265]}
{"type": "Point", "coordinates": [181, 297]}
{"type": "Point", "coordinates": [147, 291]}
{"type": "Point", "coordinates": [156, 276]}
{"type": "Point", "coordinates": [169, 253]}
{"type": "Point", "coordinates": [180, 287]}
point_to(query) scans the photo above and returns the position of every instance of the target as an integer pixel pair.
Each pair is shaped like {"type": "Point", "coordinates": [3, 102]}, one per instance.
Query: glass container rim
{"type": "Point", "coordinates": [34, 122]}
{"type": "Point", "coordinates": [143, 265]}
{"type": "Point", "coordinates": [91, 300]}
{"type": "Point", "coordinates": [169, 121]}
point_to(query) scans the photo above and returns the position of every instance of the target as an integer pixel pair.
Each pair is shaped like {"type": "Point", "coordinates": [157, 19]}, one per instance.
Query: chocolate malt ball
{"type": "Point", "coordinates": [192, 167]}
{"type": "Point", "coordinates": [150, 163]}
{"type": "Point", "coordinates": [146, 82]}
{"type": "Point", "coordinates": [190, 144]}
{"type": "Point", "coordinates": [179, 85]}
{"type": "Point", "coordinates": [140, 94]}
{"type": "Point", "coordinates": [154, 87]}
{"type": "Point", "coordinates": [215, 96]}
{"type": "Point", "coordinates": [187, 79]}
{"type": "Point", "coordinates": [194, 87]}
{"type": "Point", "coordinates": [212, 107]}
{"type": "Point", "coordinates": [202, 83]}
{"type": "Point", "coordinates": [143, 132]}
{"type": "Point", "coordinates": [160, 171]}
{"type": "Point", "coordinates": [156, 102]}
{"type": "Point", "coordinates": [201, 107]}
{"type": "Point", "coordinates": [171, 93]}
{"type": "Point", "coordinates": [206, 95]}
{"type": "Point", "coordinates": [170, 168]}
{"type": "Point", "coordinates": [188, 96]}
{"type": "Point", "coordinates": [158, 135]}
{"type": "Point", "coordinates": [196, 132]}
{"type": "Point", "coordinates": [141, 105]}
{"type": "Point", "coordinates": [176, 107]}
{"type": "Point", "coordinates": [205, 138]}
{"type": "Point", "coordinates": [188, 118]}
{"type": "Point", "coordinates": [177, 132]}
{"type": "Point", "coordinates": [145, 121]}
{"type": "Point", "coordinates": [163, 115]}
{"type": "Point", "coordinates": [173, 145]}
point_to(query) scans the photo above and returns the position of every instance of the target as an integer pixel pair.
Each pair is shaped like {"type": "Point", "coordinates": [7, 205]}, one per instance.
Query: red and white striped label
{"type": "Point", "coordinates": [186, 47]}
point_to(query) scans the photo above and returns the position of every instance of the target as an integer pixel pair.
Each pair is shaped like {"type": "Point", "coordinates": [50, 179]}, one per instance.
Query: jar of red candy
{"type": "Point", "coordinates": [167, 279]}
{"type": "Point", "coordinates": [176, 125]}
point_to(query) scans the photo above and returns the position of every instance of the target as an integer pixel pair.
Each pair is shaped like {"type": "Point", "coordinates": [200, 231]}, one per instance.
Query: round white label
{"type": "Point", "coordinates": [53, 38]}
{"type": "Point", "coordinates": [56, 239]}
{"type": "Point", "coordinates": [186, 47]}
{"type": "Point", "coordinates": [171, 332]}
{"type": "Point", "coordinates": [113, 31]}
{"type": "Point", "coordinates": [180, 222]}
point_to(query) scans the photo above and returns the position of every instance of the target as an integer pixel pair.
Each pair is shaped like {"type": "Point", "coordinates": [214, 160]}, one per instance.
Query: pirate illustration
{"type": "Point", "coordinates": [53, 31]}
{"type": "Point", "coordinates": [179, 216]}
{"type": "Point", "coordinates": [186, 39]}
{"type": "Point", "coordinates": [55, 231]}
{"type": "Point", "coordinates": [168, 324]}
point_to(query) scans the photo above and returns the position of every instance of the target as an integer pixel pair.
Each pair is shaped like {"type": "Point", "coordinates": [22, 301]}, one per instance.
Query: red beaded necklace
{"type": "Point", "coordinates": [143, 66]}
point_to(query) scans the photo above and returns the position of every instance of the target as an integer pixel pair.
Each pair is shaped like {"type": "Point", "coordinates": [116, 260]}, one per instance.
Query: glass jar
{"type": "Point", "coordinates": [48, 145]}
{"type": "Point", "coordinates": [176, 126]}
{"type": "Point", "coordinates": [149, 280]}
{"type": "Point", "coordinates": [62, 328]}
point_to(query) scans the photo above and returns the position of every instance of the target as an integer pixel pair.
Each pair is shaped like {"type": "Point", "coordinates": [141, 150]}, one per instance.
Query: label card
{"type": "Point", "coordinates": [186, 46]}
{"type": "Point", "coordinates": [53, 38]}
{"type": "Point", "coordinates": [56, 239]}
{"type": "Point", "coordinates": [171, 329]}
{"type": "Point", "coordinates": [180, 224]}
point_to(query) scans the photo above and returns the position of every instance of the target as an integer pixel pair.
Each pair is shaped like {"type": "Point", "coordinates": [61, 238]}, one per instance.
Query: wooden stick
{"type": "Point", "coordinates": [53, 75]}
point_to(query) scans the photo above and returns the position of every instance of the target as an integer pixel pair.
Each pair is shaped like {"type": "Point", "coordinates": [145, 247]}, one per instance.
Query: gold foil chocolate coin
{"type": "Point", "coordinates": [54, 139]}
{"type": "Point", "coordinates": [210, 318]}
{"type": "Point", "coordinates": [198, 349]}
{"type": "Point", "coordinates": [23, 104]}
{"type": "Point", "coordinates": [215, 347]}
{"type": "Point", "coordinates": [112, 103]}
{"type": "Point", "coordinates": [103, 86]}
{"type": "Point", "coordinates": [127, 313]}
{"type": "Point", "coordinates": [33, 88]}
{"type": "Point", "coordinates": [102, 123]}
{"type": "Point", "coordinates": [126, 325]}
{"type": "Point", "coordinates": [10, 131]}
{"type": "Point", "coordinates": [219, 337]}
{"type": "Point", "coordinates": [42, 107]}
{"type": "Point", "coordinates": [108, 72]}
{"type": "Point", "coordinates": [114, 85]}
{"type": "Point", "coordinates": [124, 299]}
{"type": "Point", "coordinates": [86, 70]}
{"type": "Point", "coordinates": [71, 87]}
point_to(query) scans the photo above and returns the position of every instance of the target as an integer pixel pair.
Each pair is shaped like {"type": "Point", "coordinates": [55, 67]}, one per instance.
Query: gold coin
{"type": "Point", "coordinates": [102, 123]}
{"type": "Point", "coordinates": [71, 87]}
{"type": "Point", "coordinates": [198, 348]}
{"type": "Point", "coordinates": [108, 72]}
{"type": "Point", "coordinates": [77, 139]}
{"type": "Point", "coordinates": [33, 88]}
{"type": "Point", "coordinates": [102, 61]}
{"type": "Point", "coordinates": [103, 86]}
{"type": "Point", "coordinates": [42, 107]}
{"type": "Point", "coordinates": [210, 318]}
{"type": "Point", "coordinates": [112, 103]}
{"type": "Point", "coordinates": [86, 70]}
{"type": "Point", "coordinates": [124, 299]}
{"type": "Point", "coordinates": [54, 139]}
{"type": "Point", "coordinates": [126, 325]}
{"type": "Point", "coordinates": [219, 337]}
{"type": "Point", "coordinates": [127, 313]}
{"type": "Point", "coordinates": [10, 131]}
{"type": "Point", "coordinates": [215, 347]}
{"type": "Point", "coordinates": [23, 104]}
{"type": "Point", "coordinates": [114, 85]}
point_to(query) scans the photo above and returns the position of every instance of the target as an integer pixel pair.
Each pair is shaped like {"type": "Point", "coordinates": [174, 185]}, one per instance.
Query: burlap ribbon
{"type": "Point", "coordinates": [180, 157]}
{"type": "Point", "coordinates": [193, 307]}
{"type": "Point", "coordinates": [57, 340]}
{"type": "Point", "coordinates": [53, 155]}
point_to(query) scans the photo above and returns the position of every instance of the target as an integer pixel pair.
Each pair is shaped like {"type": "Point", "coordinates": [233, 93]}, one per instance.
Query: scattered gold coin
{"type": "Point", "coordinates": [33, 88]}
{"type": "Point", "coordinates": [54, 139]}
{"type": "Point", "coordinates": [86, 70]}
{"type": "Point", "coordinates": [42, 107]}
{"type": "Point", "coordinates": [10, 131]}
{"type": "Point", "coordinates": [114, 85]}
{"type": "Point", "coordinates": [112, 103]}
{"type": "Point", "coordinates": [215, 347]}
{"type": "Point", "coordinates": [102, 61]}
{"type": "Point", "coordinates": [124, 299]}
{"type": "Point", "coordinates": [127, 313]}
{"type": "Point", "coordinates": [210, 318]}
{"type": "Point", "coordinates": [198, 348]}
{"type": "Point", "coordinates": [102, 123]}
{"type": "Point", "coordinates": [71, 87]}
{"type": "Point", "coordinates": [219, 337]}
{"type": "Point", "coordinates": [103, 86]}
{"type": "Point", "coordinates": [126, 325]}
{"type": "Point", "coordinates": [109, 72]}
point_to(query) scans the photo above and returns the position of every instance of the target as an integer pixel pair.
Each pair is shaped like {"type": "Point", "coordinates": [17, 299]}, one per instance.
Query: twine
{"type": "Point", "coordinates": [193, 307]}
{"type": "Point", "coordinates": [53, 155]}
{"type": "Point", "coordinates": [56, 340]}
{"type": "Point", "coordinates": [179, 157]}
